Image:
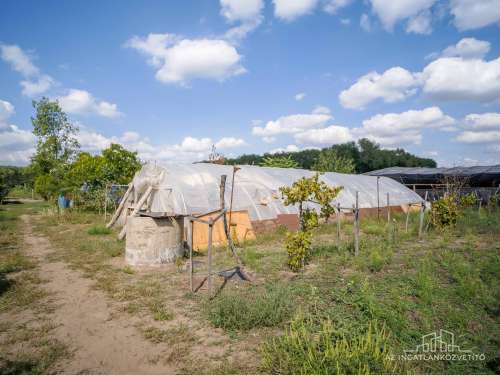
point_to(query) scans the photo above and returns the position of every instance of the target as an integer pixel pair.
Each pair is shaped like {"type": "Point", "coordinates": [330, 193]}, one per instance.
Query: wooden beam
{"type": "Point", "coordinates": [118, 211]}
{"type": "Point", "coordinates": [137, 207]}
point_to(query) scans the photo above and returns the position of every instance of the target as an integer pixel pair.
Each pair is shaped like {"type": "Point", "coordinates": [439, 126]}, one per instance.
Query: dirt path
{"type": "Point", "coordinates": [102, 341]}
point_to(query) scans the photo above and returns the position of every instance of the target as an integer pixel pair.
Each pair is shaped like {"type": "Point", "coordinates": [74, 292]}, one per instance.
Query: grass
{"type": "Point", "coordinates": [256, 308]}
{"type": "Point", "coordinates": [98, 230]}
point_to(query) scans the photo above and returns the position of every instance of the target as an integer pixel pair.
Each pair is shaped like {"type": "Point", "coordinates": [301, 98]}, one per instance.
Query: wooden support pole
{"type": "Point", "coordinates": [120, 206]}
{"type": "Point", "coordinates": [356, 226]}
{"type": "Point", "coordinates": [190, 245]}
{"type": "Point", "coordinates": [337, 214]}
{"type": "Point", "coordinates": [136, 209]}
{"type": "Point", "coordinates": [407, 218]}
{"type": "Point", "coordinates": [210, 230]}
{"type": "Point", "coordinates": [421, 221]}
{"type": "Point", "coordinates": [388, 210]}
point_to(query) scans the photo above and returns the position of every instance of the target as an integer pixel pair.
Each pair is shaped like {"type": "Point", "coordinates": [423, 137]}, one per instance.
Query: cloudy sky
{"type": "Point", "coordinates": [170, 79]}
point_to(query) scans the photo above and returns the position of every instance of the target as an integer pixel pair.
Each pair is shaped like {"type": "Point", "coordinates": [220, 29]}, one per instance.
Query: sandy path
{"type": "Point", "coordinates": [103, 343]}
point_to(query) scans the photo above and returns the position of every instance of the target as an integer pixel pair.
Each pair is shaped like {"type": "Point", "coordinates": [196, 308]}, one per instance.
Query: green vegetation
{"type": "Point", "coordinates": [330, 160]}
{"type": "Point", "coordinates": [98, 230]}
{"type": "Point", "coordinates": [10, 177]}
{"type": "Point", "coordinates": [254, 308]}
{"type": "Point", "coordinates": [303, 191]}
{"type": "Point", "coordinates": [308, 349]}
{"type": "Point", "coordinates": [279, 162]}
{"type": "Point", "coordinates": [364, 156]}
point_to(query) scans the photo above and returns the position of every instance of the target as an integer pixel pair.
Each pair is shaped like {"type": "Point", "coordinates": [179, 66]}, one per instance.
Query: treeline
{"type": "Point", "coordinates": [11, 177]}
{"type": "Point", "coordinates": [351, 157]}
{"type": "Point", "coordinates": [59, 168]}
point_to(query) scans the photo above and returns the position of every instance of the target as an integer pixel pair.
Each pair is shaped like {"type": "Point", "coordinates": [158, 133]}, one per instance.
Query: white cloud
{"type": "Point", "coordinates": [300, 96]}
{"type": "Point", "coordinates": [269, 139]}
{"type": "Point", "coordinates": [345, 21]}
{"type": "Point", "coordinates": [325, 136]}
{"type": "Point", "coordinates": [393, 85]}
{"type": "Point", "coordinates": [289, 148]}
{"type": "Point", "coordinates": [459, 79]}
{"type": "Point", "coordinates": [16, 146]}
{"type": "Point", "coordinates": [391, 12]}
{"type": "Point", "coordinates": [321, 110]}
{"type": "Point", "coordinates": [37, 86]}
{"type": "Point", "coordinates": [332, 6]}
{"type": "Point", "coordinates": [482, 121]}
{"type": "Point", "coordinates": [230, 142]}
{"type": "Point", "coordinates": [491, 136]}
{"type": "Point", "coordinates": [290, 10]}
{"type": "Point", "coordinates": [365, 23]}
{"type": "Point", "coordinates": [241, 10]}
{"type": "Point", "coordinates": [247, 12]}
{"type": "Point", "coordinates": [82, 102]}
{"type": "Point", "coordinates": [181, 60]}
{"type": "Point", "coordinates": [291, 124]}
{"type": "Point", "coordinates": [403, 128]}
{"type": "Point", "coordinates": [474, 14]}
{"type": "Point", "coordinates": [420, 24]}
{"type": "Point", "coordinates": [468, 48]}
{"type": "Point", "coordinates": [35, 82]}
{"type": "Point", "coordinates": [6, 110]}
{"type": "Point", "coordinates": [18, 60]}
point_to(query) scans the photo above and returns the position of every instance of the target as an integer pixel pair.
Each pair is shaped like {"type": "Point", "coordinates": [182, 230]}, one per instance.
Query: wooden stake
{"type": "Point", "coordinates": [407, 218]}
{"type": "Point", "coordinates": [421, 221]}
{"type": "Point", "coordinates": [356, 226]}
{"type": "Point", "coordinates": [190, 245]}
{"type": "Point", "coordinates": [210, 230]}
{"type": "Point", "coordinates": [388, 210]}
{"type": "Point", "coordinates": [337, 214]}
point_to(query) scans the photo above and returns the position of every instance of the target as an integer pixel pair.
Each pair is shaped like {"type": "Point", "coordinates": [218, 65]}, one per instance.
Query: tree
{"type": "Point", "coordinates": [303, 191]}
{"type": "Point", "coordinates": [120, 165]}
{"type": "Point", "coordinates": [279, 162]}
{"type": "Point", "coordinates": [329, 160]}
{"type": "Point", "coordinates": [56, 147]}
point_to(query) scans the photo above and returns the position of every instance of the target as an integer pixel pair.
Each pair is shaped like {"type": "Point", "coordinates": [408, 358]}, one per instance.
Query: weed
{"type": "Point", "coordinates": [250, 308]}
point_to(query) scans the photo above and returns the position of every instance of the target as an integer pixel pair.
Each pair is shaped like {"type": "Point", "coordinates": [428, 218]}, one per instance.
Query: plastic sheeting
{"type": "Point", "coordinates": [194, 189]}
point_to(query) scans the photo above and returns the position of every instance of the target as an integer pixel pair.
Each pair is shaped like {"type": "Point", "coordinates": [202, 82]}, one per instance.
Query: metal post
{"type": "Point", "coordinates": [235, 169]}
{"type": "Point", "coordinates": [210, 229]}
{"type": "Point", "coordinates": [105, 201]}
{"type": "Point", "coordinates": [337, 214]}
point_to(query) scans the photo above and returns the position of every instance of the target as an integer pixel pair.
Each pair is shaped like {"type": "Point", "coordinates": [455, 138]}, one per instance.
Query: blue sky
{"type": "Point", "coordinates": [169, 79]}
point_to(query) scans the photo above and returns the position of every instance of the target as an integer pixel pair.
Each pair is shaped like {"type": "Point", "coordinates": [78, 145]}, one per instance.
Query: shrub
{"type": "Point", "coordinates": [244, 310]}
{"type": "Point", "coordinates": [468, 200]}
{"type": "Point", "coordinates": [445, 211]}
{"type": "Point", "coordinates": [298, 247]}
{"type": "Point", "coordinates": [308, 349]}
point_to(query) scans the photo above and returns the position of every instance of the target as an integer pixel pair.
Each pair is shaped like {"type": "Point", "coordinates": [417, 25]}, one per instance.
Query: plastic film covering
{"type": "Point", "coordinates": [194, 189]}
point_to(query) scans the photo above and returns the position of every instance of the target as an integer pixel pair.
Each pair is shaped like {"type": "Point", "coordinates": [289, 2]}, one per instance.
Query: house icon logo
{"type": "Point", "coordinates": [442, 342]}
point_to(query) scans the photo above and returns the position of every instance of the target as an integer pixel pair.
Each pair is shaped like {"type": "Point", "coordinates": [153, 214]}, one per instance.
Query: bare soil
{"type": "Point", "coordinates": [101, 340]}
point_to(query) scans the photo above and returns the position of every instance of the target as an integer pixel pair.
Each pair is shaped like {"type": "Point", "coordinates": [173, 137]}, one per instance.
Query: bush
{"type": "Point", "coordinates": [308, 349]}
{"type": "Point", "coordinates": [247, 309]}
{"type": "Point", "coordinates": [468, 200]}
{"type": "Point", "coordinates": [445, 211]}
{"type": "Point", "coordinates": [298, 247]}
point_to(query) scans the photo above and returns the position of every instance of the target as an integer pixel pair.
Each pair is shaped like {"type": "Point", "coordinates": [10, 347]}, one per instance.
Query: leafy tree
{"type": "Point", "coordinates": [303, 191]}
{"type": "Point", "coordinates": [120, 165]}
{"type": "Point", "coordinates": [330, 161]}
{"type": "Point", "coordinates": [279, 162]}
{"type": "Point", "coordinates": [55, 149]}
